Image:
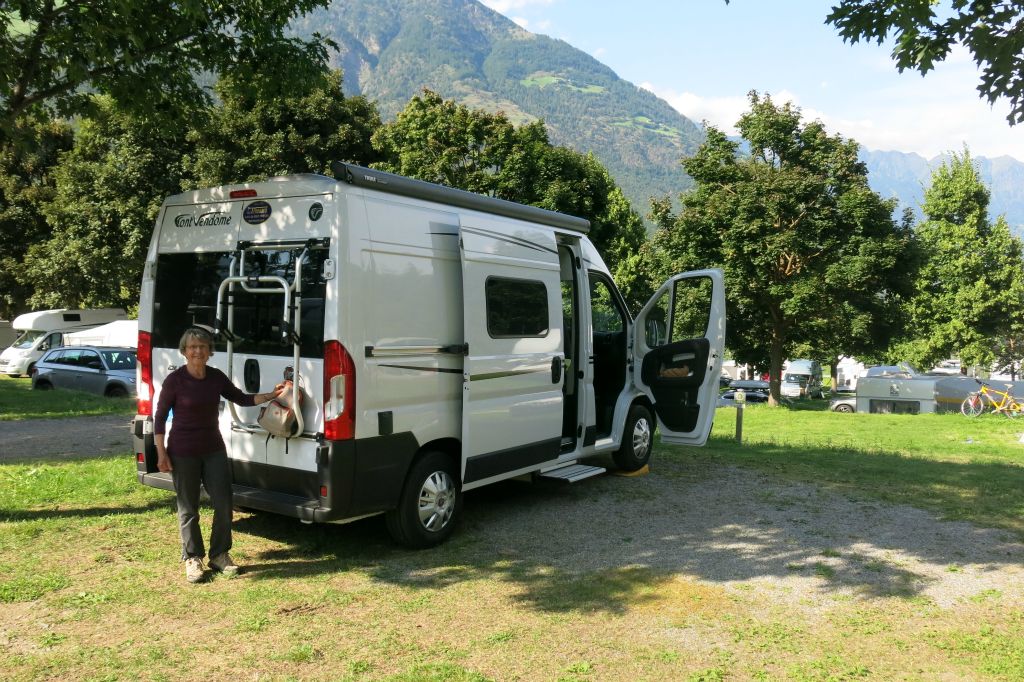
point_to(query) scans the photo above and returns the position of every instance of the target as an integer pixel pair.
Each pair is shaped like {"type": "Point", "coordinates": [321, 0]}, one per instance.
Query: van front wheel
{"type": "Point", "coordinates": [430, 504]}
{"type": "Point", "coordinates": [637, 440]}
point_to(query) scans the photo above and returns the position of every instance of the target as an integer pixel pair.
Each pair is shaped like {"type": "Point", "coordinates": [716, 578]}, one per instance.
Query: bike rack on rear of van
{"type": "Point", "coordinates": [291, 318]}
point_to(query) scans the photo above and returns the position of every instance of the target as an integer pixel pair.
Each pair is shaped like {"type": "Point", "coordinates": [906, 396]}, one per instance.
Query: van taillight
{"type": "Point", "coordinates": [144, 353]}
{"type": "Point", "coordinates": [339, 392]}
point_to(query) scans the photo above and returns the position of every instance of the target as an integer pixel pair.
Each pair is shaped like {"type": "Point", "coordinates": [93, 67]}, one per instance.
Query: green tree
{"type": "Point", "coordinates": [53, 53]}
{"type": "Point", "coordinates": [109, 188]}
{"type": "Point", "coordinates": [925, 32]}
{"type": "Point", "coordinates": [802, 239]}
{"type": "Point", "coordinates": [26, 185]}
{"type": "Point", "coordinates": [251, 136]}
{"type": "Point", "coordinates": [969, 291]}
{"type": "Point", "coordinates": [441, 141]}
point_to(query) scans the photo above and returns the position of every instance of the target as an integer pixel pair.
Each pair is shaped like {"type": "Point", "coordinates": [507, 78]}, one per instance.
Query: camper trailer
{"type": "Point", "coordinates": [441, 341]}
{"type": "Point", "coordinates": [45, 329]}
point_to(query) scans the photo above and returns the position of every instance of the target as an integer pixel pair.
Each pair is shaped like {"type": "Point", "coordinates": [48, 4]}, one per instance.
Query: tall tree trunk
{"type": "Point", "coordinates": [775, 360]}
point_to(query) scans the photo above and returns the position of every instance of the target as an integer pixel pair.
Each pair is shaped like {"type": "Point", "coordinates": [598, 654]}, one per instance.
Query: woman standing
{"type": "Point", "coordinates": [195, 452]}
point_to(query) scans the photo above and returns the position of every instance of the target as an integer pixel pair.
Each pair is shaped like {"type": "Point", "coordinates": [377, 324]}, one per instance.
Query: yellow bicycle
{"type": "Point", "coordinates": [1001, 402]}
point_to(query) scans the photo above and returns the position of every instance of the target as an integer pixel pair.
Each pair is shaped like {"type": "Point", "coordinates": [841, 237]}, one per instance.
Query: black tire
{"type": "Point", "coordinates": [637, 440]}
{"type": "Point", "coordinates": [972, 405]}
{"type": "Point", "coordinates": [117, 392]}
{"type": "Point", "coordinates": [430, 505]}
{"type": "Point", "coordinates": [844, 408]}
{"type": "Point", "coordinates": [43, 386]}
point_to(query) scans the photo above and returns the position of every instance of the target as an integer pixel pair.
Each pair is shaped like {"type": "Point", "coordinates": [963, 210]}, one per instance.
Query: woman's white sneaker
{"type": "Point", "coordinates": [194, 569]}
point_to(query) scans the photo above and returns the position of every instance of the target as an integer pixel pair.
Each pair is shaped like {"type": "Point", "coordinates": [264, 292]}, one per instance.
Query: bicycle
{"type": "Point", "coordinates": [1000, 402]}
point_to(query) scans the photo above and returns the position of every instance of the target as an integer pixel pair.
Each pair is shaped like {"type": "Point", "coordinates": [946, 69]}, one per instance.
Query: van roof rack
{"type": "Point", "coordinates": [429, 191]}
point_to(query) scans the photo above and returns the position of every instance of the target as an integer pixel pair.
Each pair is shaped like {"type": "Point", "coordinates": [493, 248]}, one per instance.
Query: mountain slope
{"type": "Point", "coordinates": [391, 49]}
{"type": "Point", "coordinates": [906, 176]}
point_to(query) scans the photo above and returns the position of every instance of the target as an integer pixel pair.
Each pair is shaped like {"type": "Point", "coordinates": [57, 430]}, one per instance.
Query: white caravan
{"type": "Point", "coordinates": [442, 341]}
{"type": "Point", "coordinates": [45, 329]}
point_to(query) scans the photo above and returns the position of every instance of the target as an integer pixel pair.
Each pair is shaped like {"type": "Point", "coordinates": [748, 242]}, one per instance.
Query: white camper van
{"type": "Point", "coordinates": [442, 341]}
{"type": "Point", "coordinates": [44, 329]}
{"type": "Point", "coordinates": [802, 379]}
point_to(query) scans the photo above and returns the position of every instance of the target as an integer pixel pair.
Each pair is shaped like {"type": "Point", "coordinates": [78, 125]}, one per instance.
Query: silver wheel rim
{"type": "Point", "coordinates": [641, 438]}
{"type": "Point", "coordinates": [437, 501]}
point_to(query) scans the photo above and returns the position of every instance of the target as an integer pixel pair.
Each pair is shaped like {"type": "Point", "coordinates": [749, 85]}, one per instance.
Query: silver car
{"type": "Point", "coordinates": [104, 370]}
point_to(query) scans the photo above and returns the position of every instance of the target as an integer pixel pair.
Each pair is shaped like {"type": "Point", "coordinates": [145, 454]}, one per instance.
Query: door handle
{"type": "Point", "coordinates": [556, 369]}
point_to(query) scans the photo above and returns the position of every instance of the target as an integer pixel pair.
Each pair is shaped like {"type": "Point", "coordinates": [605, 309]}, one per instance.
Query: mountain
{"type": "Point", "coordinates": [906, 175]}
{"type": "Point", "coordinates": [390, 49]}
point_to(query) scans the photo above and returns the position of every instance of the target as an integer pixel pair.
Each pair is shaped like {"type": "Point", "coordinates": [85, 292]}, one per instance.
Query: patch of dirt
{"type": "Point", "coordinates": [65, 438]}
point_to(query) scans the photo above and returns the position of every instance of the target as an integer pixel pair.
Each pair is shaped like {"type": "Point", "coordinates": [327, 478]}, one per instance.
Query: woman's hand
{"type": "Point", "coordinates": [163, 461]}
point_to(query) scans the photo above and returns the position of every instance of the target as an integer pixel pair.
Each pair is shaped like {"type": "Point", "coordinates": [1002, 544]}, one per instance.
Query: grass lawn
{"type": "Point", "coordinates": [962, 468]}
{"type": "Point", "coordinates": [91, 586]}
{"type": "Point", "coordinates": [19, 401]}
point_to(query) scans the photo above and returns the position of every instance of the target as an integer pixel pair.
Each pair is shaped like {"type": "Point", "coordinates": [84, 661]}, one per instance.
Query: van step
{"type": "Point", "coordinates": [572, 472]}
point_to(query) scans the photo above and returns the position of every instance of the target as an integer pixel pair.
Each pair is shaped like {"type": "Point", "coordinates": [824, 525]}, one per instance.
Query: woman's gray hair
{"type": "Point", "coordinates": [197, 333]}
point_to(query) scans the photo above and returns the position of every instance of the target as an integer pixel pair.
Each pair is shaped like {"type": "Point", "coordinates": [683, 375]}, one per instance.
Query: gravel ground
{"type": "Point", "coordinates": [799, 543]}
{"type": "Point", "coordinates": [65, 438]}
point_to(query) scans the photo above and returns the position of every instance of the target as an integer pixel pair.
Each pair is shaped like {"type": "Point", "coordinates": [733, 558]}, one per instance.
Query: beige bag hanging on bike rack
{"type": "Point", "coordinates": [278, 415]}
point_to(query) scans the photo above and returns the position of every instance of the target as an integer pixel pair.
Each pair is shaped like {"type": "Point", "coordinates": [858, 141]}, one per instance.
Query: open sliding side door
{"type": "Point", "coordinates": [678, 339]}
{"type": "Point", "coordinates": [512, 320]}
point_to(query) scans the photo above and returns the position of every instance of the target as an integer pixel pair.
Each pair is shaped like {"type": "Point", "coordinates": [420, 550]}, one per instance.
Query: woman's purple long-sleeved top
{"type": "Point", "coordinates": [195, 403]}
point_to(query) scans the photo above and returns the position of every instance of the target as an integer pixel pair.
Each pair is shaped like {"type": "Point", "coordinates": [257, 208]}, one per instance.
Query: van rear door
{"type": "Point", "coordinates": [678, 339]}
{"type": "Point", "coordinates": [512, 322]}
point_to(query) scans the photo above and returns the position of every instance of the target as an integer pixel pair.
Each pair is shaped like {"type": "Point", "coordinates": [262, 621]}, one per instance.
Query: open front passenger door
{"type": "Point", "coordinates": [678, 339]}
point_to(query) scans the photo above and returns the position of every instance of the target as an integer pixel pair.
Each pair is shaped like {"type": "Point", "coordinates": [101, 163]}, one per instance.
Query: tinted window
{"type": "Point", "coordinates": [71, 357]}
{"type": "Point", "coordinates": [55, 356]}
{"type": "Point", "coordinates": [516, 307]}
{"type": "Point", "coordinates": [186, 295]}
{"type": "Point", "coordinates": [90, 359]}
{"type": "Point", "coordinates": [119, 359]}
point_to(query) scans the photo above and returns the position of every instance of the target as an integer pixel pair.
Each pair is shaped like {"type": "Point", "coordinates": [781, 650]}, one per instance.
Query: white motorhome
{"type": "Point", "coordinates": [442, 341]}
{"type": "Point", "coordinates": [802, 379]}
{"type": "Point", "coordinates": [44, 329]}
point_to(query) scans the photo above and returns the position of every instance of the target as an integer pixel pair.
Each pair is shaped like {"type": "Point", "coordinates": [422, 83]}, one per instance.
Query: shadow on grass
{"type": "Point", "coordinates": [611, 543]}
{"type": "Point", "coordinates": [8, 515]}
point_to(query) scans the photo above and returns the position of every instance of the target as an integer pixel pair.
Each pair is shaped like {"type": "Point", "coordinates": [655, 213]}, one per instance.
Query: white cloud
{"type": "Point", "coordinates": [920, 117]}
{"type": "Point", "coordinates": [522, 22]}
{"type": "Point", "coordinates": [721, 112]}
{"type": "Point", "coordinates": [599, 52]}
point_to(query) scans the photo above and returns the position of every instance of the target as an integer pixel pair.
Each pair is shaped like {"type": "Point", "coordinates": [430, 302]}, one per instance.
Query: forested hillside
{"type": "Point", "coordinates": [391, 49]}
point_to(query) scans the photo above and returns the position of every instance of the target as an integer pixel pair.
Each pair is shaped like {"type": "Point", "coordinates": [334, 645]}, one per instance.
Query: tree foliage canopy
{"type": "Point", "coordinates": [992, 31]}
{"type": "Point", "coordinates": [804, 242]}
{"type": "Point", "coordinates": [441, 141]}
{"type": "Point", "coordinates": [253, 136]}
{"type": "Point", "coordinates": [54, 53]}
{"type": "Point", "coordinates": [969, 291]}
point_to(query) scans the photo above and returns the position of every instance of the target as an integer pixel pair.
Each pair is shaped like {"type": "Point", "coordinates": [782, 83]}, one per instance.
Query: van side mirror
{"type": "Point", "coordinates": [44, 346]}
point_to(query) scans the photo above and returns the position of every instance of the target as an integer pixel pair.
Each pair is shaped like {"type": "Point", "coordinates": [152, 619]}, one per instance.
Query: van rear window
{"type": "Point", "coordinates": [186, 295]}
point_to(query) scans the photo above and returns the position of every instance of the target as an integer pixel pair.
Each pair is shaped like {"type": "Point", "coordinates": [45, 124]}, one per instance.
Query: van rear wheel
{"type": "Point", "coordinates": [637, 440]}
{"type": "Point", "coordinates": [430, 504]}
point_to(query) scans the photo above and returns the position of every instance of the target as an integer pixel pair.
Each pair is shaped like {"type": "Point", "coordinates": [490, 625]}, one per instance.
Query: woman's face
{"type": "Point", "coordinates": [197, 351]}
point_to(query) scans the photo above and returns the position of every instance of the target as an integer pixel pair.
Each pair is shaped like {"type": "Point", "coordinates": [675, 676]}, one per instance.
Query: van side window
{"type": "Point", "coordinates": [607, 316]}
{"type": "Point", "coordinates": [690, 308]}
{"type": "Point", "coordinates": [516, 307]}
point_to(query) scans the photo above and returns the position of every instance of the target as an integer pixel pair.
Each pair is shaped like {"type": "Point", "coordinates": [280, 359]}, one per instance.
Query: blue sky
{"type": "Point", "coordinates": [703, 56]}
